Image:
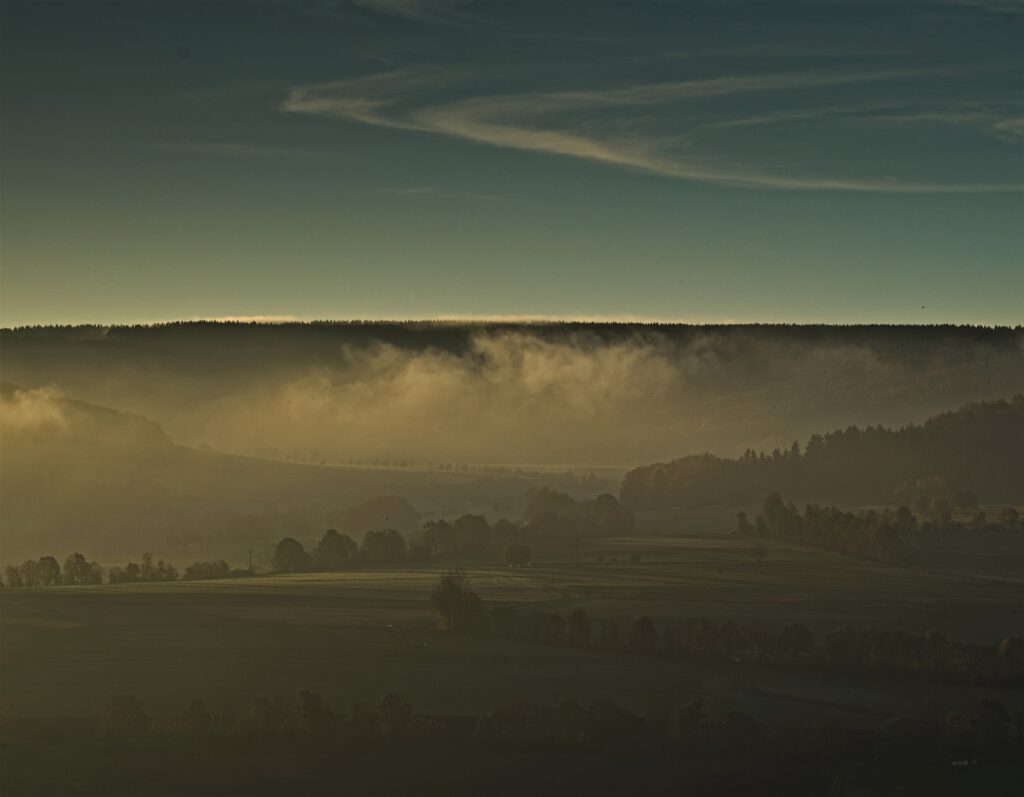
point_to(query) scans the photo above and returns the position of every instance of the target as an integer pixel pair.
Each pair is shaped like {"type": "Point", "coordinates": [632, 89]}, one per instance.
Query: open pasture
{"type": "Point", "coordinates": [358, 635]}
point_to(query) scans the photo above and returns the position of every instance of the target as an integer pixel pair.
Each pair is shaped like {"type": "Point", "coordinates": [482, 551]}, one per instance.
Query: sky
{"type": "Point", "coordinates": [835, 161]}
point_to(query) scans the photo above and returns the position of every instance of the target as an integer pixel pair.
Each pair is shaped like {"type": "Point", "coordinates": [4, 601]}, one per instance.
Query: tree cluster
{"type": "Point", "coordinates": [147, 571]}
{"type": "Point", "coordinates": [702, 728]}
{"type": "Point", "coordinates": [206, 571]}
{"type": "Point", "coordinates": [45, 572]}
{"type": "Point", "coordinates": [871, 535]}
{"type": "Point", "coordinates": [556, 515]}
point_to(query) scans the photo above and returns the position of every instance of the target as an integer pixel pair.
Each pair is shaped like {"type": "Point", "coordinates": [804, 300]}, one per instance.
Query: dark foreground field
{"type": "Point", "coordinates": [355, 637]}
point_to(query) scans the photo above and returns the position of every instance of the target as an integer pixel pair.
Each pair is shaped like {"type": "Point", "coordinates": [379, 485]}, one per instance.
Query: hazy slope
{"type": "Point", "coordinates": [80, 477]}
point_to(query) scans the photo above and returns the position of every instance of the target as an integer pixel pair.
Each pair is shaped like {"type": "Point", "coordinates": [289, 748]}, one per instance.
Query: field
{"type": "Point", "coordinates": [356, 636]}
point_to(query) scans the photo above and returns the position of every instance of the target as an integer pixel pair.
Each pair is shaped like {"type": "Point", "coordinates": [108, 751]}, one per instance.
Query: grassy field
{"type": "Point", "coordinates": [356, 636]}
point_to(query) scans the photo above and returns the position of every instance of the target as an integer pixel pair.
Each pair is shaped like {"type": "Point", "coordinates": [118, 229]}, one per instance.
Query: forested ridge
{"type": "Point", "coordinates": [978, 448]}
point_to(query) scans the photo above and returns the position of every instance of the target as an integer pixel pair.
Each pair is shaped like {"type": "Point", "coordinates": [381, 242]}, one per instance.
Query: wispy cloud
{"type": "Point", "coordinates": [447, 193]}
{"type": "Point", "coordinates": [1010, 129]}
{"type": "Point", "coordinates": [588, 124]}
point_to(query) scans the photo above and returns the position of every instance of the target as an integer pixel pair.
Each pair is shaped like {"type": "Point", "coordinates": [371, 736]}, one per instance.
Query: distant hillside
{"type": "Point", "coordinates": [977, 448]}
{"type": "Point", "coordinates": [75, 476]}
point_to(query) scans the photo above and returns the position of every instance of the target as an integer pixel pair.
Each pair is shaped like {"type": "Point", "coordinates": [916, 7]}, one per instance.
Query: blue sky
{"type": "Point", "coordinates": [723, 161]}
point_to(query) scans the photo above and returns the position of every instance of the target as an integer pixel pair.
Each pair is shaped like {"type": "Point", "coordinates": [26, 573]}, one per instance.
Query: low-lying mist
{"type": "Point", "coordinates": [88, 418]}
{"type": "Point", "coordinates": [521, 395]}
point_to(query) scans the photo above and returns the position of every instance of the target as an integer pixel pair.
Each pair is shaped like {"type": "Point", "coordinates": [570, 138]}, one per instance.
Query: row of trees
{"type": "Point", "coordinates": [704, 728]}
{"type": "Point", "coordinates": [461, 609]}
{"type": "Point", "coordinates": [470, 534]}
{"type": "Point", "coordinates": [871, 535]}
{"type": "Point", "coordinates": [45, 572]}
{"type": "Point", "coordinates": [147, 571]}
{"type": "Point", "coordinates": [975, 447]}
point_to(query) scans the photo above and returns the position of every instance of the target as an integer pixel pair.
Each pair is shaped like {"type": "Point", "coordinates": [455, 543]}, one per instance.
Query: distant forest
{"type": "Point", "coordinates": [456, 336]}
{"type": "Point", "coordinates": [978, 448]}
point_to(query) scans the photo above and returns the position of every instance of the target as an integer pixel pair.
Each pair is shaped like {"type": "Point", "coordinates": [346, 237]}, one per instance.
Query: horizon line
{"type": "Point", "coordinates": [471, 320]}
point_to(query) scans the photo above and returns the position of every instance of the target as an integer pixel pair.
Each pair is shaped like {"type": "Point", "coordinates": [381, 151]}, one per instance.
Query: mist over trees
{"type": "Point", "coordinates": [555, 515]}
{"type": "Point", "coordinates": [973, 450]}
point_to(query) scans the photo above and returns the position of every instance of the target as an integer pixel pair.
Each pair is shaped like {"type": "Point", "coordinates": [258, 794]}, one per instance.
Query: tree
{"type": "Point", "coordinates": [796, 640]}
{"type": "Point", "coordinates": [456, 604]}
{"type": "Point", "coordinates": [29, 573]}
{"type": "Point", "coordinates": [382, 547]}
{"type": "Point", "coordinates": [518, 555]}
{"type": "Point", "coordinates": [334, 551]}
{"type": "Point", "coordinates": [13, 576]}
{"type": "Point", "coordinates": [48, 571]}
{"type": "Point", "coordinates": [207, 570]}
{"type": "Point", "coordinates": [396, 714]}
{"type": "Point", "coordinates": [904, 521]}
{"type": "Point", "coordinates": [743, 526]}
{"type": "Point", "coordinates": [965, 501]}
{"type": "Point", "coordinates": [437, 538]}
{"type": "Point", "coordinates": [313, 714]}
{"type": "Point", "coordinates": [196, 718]}
{"type": "Point", "coordinates": [1011, 651]}
{"type": "Point", "coordinates": [1009, 517]}
{"type": "Point", "coordinates": [942, 511]}
{"type": "Point", "coordinates": [643, 637]}
{"type": "Point", "coordinates": [79, 571]}
{"type": "Point", "coordinates": [290, 556]}
{"type": "Point", "coordinates": [609, 637]}
{"type": "Point", "coordinates": [125, 717]}
{"type": "Point", "coordinates": [472, 533]}
{"type": "Point", "coordinates": [578, 628]}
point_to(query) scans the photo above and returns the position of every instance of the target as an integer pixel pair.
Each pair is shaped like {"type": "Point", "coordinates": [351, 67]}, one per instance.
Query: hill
{"type": "Point", "coordinates": [975, 449]}
{"type": "Point", "coordinates": [76, 476]}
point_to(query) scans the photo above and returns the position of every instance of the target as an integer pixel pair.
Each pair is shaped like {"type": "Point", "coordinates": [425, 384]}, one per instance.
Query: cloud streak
{"type": "Point", "coordinates": [617, 126]}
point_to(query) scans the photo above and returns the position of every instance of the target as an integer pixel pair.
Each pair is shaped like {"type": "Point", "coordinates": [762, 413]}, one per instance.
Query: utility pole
{"type": "Point", "coordinates": [250, 560]}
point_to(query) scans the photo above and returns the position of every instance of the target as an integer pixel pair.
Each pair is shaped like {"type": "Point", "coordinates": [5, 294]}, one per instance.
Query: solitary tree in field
{"type": "Point", "coordinates": [456, 604]}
